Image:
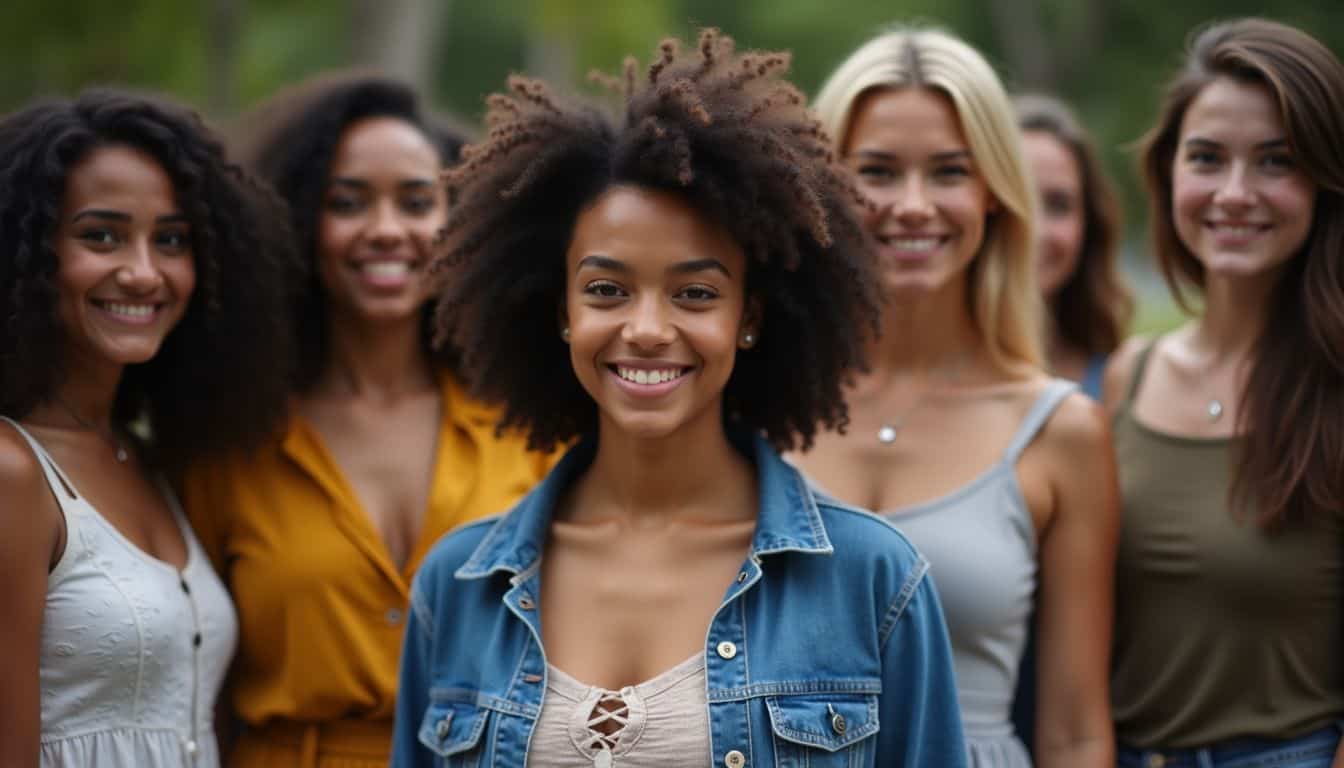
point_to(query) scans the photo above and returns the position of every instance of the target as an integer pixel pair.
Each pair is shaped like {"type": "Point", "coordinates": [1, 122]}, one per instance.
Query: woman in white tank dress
{"type": "Point", "coordinates": [134, 285]}
{"type": "Point", "coordinates": [995, 472]}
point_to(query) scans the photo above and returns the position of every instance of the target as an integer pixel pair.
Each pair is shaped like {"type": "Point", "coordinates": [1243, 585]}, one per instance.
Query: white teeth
{"type": "Point", "coordinates": [386, 269]}
{"type": "Point", "coordinates": [645, 376]}
{"type": "Point", "coordinates": [129, 310]}
{"type": "Point", "coordinates": [1237, 231]}
{"type": "Point", "coordinates": [916, 243]}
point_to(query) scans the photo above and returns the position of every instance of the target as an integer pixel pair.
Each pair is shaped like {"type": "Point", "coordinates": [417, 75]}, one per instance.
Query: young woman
{"type": "Point", "coordinates": [318, 534]}
{"type": "Point", "coordinates": [1078, 236]}
{"type": "Point", "coordinates": [1229, 432]}
{"type": "Point", "coordinates": [140, 334]}
{"type": "Point", "coordinates": [683, 288]}
{"type": "Point", "coordinates": [996, 472]}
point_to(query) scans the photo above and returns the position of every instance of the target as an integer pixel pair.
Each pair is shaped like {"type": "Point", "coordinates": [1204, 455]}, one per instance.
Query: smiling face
{"type": "Point", "coordinates": [910, 157]}
{"type": "Point", "coordinates": [1061, 226]}
{"type": "Point", "coordinates": [654, 304]}
{"type": "Point", "coordinates": [1242, 203]}
{"type": "Point", "coordinates": [126, 271]}
{"type": "Point", "coordinates": [382, 210]}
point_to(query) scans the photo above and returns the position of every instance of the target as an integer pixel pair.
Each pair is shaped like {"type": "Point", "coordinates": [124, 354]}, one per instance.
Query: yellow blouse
{"type": "Point", "coordinates": [321, 604]}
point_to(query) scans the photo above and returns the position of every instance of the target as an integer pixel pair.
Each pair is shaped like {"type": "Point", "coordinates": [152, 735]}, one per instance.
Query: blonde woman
{"type": "Point", "coordinates": [994, 470]}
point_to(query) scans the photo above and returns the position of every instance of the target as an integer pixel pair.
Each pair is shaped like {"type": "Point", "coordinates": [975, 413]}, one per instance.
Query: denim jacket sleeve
{"type": "Point", "coordinates": [413, 685]}
{"type": "Point", "coordinates": [921, 718]}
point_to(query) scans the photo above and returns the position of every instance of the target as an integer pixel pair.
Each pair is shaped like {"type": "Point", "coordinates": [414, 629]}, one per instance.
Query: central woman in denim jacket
{"type": "Point", "coordinates": [679, 293]}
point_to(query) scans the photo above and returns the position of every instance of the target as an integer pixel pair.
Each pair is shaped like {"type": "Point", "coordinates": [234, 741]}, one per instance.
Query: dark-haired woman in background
{"type": "Point", "coordinates": [134, 290]}
{"type": "Point", "coordinates": [318, 534]}
{"type": "Point", "coordinates": [1229, 432]}
{"type": "Point", "coordinates": [1078, 240]}
{"type": "Point", "coordinates": [684, 287]}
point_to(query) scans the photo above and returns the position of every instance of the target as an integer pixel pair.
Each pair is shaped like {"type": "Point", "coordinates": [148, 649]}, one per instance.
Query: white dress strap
{"type": "Point", "coordinates": [61, 486]}
{"type": "Point", "coordinates": [1041, 410]}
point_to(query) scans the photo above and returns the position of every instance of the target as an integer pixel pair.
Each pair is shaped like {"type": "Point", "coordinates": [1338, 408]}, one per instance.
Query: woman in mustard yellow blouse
{"type": "Point", "coordinates": [319, 535]}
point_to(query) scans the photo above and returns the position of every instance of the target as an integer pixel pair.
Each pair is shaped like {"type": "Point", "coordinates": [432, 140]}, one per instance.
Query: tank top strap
{"type": "Point", "coordinates": [1045, 404]}
{"type": "Point", "coordinates": [61, 486]}
{"type": "Point", "coordinates": [1140, 367]}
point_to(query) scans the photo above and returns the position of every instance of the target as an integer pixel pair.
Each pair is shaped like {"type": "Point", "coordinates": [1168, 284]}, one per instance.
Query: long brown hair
{"type": "Point", "coordinates": [1093, 307]}
{"type": "Point", "coordinates": [1292, 458]}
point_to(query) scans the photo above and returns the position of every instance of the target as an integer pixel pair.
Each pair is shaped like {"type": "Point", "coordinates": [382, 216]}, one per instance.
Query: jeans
{"type": "Point", "coordinates": [1314, 750]}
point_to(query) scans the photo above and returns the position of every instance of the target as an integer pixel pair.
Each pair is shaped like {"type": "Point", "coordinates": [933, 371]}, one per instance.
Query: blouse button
{"type": "Point", "coordinates": [190, 746]}
{"type": "Point", "coordinates": [726, 650]}
{"type": "Point", "coordinates": [734, 759]}
{"type": "Point", "coordinates": [393, 616]}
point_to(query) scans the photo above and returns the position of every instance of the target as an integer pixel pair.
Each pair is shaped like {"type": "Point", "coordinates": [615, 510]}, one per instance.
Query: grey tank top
{"type": "Point", "coordinates": [981, 545]}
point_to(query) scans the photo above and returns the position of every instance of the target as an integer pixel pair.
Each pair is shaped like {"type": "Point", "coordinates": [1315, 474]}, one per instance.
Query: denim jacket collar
{"type": "Point", "coordinates": [787, 521]}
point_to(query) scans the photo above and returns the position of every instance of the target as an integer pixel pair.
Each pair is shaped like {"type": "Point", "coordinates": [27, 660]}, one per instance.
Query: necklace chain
{"type": "Point", "coordinates": [119, 450]}
{"type": "Point", "coordinates": [890, 429]}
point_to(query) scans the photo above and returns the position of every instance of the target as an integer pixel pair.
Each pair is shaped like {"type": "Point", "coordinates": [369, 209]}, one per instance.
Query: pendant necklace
{"type": "Point", "coordinates": [887, 433]}
{"type": "Point", "coordinates": [1214, 409]}
{"type": "Point", "coordinates": [107, 434]}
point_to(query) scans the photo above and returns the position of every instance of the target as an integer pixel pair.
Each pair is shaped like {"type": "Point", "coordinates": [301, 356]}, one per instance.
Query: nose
{"type": "Point", "coordinates": [648, 326]}
{"type": "Point", "coordinates": [140, 274]}
{"type": "Point", "coordinates": [1234, 189]}
{"type": "Point", "coordinates": [912, 203]}
{"type": "Point", "coordinates": [386, 229]}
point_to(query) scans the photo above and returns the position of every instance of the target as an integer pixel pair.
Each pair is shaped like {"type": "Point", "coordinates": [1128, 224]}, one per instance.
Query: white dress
{"type": "Point", "coordinates": [133, 651]}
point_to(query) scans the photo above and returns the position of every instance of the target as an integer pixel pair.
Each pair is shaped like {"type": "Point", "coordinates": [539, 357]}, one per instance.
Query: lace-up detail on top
{"type": "Point", "coordinates": [657, 723]}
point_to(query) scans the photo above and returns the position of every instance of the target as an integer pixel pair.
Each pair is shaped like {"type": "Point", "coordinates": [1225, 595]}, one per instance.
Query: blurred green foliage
{"type": "Point", "coordinates": [1107, 57]}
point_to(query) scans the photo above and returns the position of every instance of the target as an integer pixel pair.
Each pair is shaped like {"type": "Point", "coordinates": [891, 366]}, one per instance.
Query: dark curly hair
{"type": "Point", "coordinates": [1094, 306]}
{"type": "Point", "coordinates": [726, 133]}
{"type": "Point", "coordinates": [219, 381]}
{"type": "Point", "coordinates": [290, 141]}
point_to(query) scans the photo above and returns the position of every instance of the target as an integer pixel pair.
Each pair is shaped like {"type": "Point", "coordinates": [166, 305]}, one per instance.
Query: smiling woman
{"type": "Point", "coordinates": [135, 286]}
{"type": "Point", "coordinates": [682, 288]}
{"type": "Point", "coordinates": [384, 453]}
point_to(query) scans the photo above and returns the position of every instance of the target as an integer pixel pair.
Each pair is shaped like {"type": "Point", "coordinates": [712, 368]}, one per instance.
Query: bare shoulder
{"type": "Point", "coordinates": [25, 495]}
{"type": "Point", "coordinates": [1120, 371]}
{"type": "Point", "coordinates": [1077, 425]}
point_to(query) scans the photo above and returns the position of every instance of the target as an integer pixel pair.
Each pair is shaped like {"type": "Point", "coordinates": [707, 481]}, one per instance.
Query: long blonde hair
{"type": "Point", "coordinates": [1003, 299]}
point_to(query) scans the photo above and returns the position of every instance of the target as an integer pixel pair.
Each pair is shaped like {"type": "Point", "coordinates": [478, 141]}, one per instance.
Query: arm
{"type": "Point", "coordinates": [921, 718]}
{"type": "Point", "coordinates": [413, 684]}
{"type": "Point", "coordinates": [30, 532]}
{"type": "Point", "coordinates": [1075, 612]}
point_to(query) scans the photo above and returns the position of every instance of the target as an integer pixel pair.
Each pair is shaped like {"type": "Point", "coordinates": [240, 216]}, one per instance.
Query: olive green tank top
{"type": "Point", "coordinates": [1223, 630]}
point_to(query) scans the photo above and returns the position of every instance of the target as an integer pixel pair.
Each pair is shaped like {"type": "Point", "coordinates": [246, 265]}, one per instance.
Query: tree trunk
{"type": "Point", "coordinates": [223, 23]}
{"type": "Point", "coordinates": [396, 37]}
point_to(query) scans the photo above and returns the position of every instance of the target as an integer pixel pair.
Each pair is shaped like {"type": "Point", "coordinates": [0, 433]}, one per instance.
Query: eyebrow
{"type": "Point", "coordinates": [1202, 142]}
{"type": "Point", "coordinates": [120, 216]}
{"type": "Point", "coordinates": [680, 268]}
{"type": "Point", "coordinates": [346, 181]}
{"type": "Point", "coordinates": [942, 157]}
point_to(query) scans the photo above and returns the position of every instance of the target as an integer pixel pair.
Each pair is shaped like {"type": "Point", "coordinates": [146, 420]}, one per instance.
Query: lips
{"type": "Point", "coordinates": [386, 273]}
{"type": "Point", "coordinates": [1236, 233]}
{"type": "Point", "coordinates": [129, 312]}
{"type": "Point", "coordinates": [913, 246]}
{"type": "Point", "coordinates": [648, 379]}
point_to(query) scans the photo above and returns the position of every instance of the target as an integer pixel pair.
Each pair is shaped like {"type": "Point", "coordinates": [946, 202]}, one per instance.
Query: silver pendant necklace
{"type": "Point", "coordinates": [119, 450]}
{"type": "Point", "coordinates": [1214, 409]}
{"type": "Point", "coordinates": [889, 430]}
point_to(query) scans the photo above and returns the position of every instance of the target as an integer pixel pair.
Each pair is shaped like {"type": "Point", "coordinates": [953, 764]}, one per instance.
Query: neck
{"type": "Point", "coordinates": [377, 360]}
{"type": "Point", "coordinates": [84, 399]}
{"type": "Point", "coordinates": [925, 333]}
{"type": "Point", "coordinates": [695, 472]}
{"type": "Point", "coordinates": [1233, 316]}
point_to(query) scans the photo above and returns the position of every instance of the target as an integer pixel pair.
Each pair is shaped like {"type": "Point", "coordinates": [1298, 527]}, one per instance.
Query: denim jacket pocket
{"type": "Point", "coordinates": [823, 730]}
{"type": "Point", "coordinates": [452, 730]}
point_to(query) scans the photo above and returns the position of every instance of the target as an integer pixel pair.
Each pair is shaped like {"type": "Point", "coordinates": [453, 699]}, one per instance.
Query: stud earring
{"type": "Point", "coordinates": [748, 340]}
{"type": "Point", "coordinates": [564, 334]}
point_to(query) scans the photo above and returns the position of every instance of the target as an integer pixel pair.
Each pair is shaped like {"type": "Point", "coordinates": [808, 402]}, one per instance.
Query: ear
{"type": "Point", "coordinates": [562, 321]}
{"type": "Point", "coordinates": [753, 317]}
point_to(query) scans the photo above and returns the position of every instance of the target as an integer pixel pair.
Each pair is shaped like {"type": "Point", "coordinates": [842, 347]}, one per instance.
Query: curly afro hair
{"type": "Point", "coordinates": [219, 382]}
{"type": "Point", "coordinates": [290, 141]}
{"type": "Point", "coordinates": [735, 140]}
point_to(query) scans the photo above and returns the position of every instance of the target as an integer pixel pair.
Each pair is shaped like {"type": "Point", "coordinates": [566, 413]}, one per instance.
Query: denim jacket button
{"type": "Point", "coordinates": [734, 759]}
{"type": "Point", "coordinates": [526, 603]}
{"type": "Point", "coordinates": [727, 651]}
{"type": "Point", "coordinates": [1155, 761]}
{"type": "Point", "coordinates": [441, 730]}
{"type": "Point", "coordinates": [741, 577]}
{"type": "Point", "coordinates": [838, 724]}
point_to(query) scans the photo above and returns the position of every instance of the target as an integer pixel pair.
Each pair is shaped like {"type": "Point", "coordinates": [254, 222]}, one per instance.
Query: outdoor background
{"type": "Point", "coordinates": [1107, 57]}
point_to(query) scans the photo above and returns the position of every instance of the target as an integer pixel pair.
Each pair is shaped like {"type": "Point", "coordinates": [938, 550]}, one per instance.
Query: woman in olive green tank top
{"type": "Point", "coordinates": [1229, 432]}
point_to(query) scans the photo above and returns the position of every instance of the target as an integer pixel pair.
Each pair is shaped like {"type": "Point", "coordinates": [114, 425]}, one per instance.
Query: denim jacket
{"type": "Point", "coordinates": [839, 655]}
